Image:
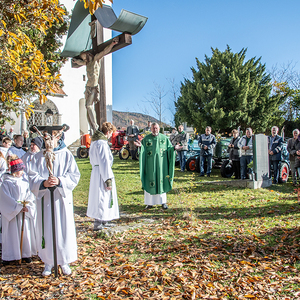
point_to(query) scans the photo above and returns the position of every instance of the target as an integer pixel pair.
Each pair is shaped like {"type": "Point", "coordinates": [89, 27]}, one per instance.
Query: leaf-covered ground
{"type": "Point", "coordinates": [214, 242]}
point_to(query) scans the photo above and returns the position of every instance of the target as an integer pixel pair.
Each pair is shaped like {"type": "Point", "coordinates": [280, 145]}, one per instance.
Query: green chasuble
{"type": "Point", "coordinates": [157, 161]}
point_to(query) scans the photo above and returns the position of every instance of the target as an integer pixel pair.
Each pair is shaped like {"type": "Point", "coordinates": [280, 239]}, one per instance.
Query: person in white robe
{"type": "Point", "coordinates": [16, 148]}
{"type": "Point", "coordinates": [6, 144]}
{"type": "Point", "coordinates": [65, 177]}
{"type": "Point", "coordinates": [13, 190]}
{"type": "Point", "coordinates": [103, 202]}
{"type": "Point", "coordinates": [35, 147]}
{"type": "Point", "coordinates": [3, 164]}
{"type": "Point", "coordinates": [3, 169]}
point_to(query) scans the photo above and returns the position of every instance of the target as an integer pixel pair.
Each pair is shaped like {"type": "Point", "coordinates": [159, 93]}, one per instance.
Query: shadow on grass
{"type": "Point", "coordinates": [80, 210]}
{"type": "Point", "coordinates": [275, 242]}
{"type": "Point", "coordinates": [273, 209]}
{"type": "Point", "coordinates": [216, 213]}
{"type": "Point", "coordinates": [257, 251]}
{"type": "Point", "coordinates": [139, 192]}
{"type": "Point", "coordinates": [155, 213]}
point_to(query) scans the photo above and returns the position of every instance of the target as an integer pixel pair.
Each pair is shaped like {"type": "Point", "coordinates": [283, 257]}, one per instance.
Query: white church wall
{"type": "Point", "coordinates": [16, 126]}
{"type": "Point", "coordinates": [68, 106]}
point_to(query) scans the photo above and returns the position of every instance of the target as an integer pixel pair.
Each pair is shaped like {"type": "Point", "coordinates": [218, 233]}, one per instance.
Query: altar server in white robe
{"type": "Point", "coordinates": [65, 177]}
{"type": "Point", "coordinates": [103, 202]}
{"type": "Point", "coordinates": [6, 144]}
{"type": "Point", "coordinates": [13, 190]}
{"type": "Point", "coordinates": [16, 148]}
{"type": "Point", "coordinates": [3, 165]}
{"type": "Point", "coordinates": [35, 147]}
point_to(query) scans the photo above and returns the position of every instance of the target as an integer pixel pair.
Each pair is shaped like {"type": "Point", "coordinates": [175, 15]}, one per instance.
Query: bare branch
{"type": "Point", "coordinates": [155, 99]}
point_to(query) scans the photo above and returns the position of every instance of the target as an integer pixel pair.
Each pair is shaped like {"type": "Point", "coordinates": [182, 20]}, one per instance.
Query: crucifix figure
{"type": "Point", "coordinates": [49, 147]}
{"type": "Point", "coordinates": [86, 30]}
{"type": "Point", "coordinates": [92, 92]}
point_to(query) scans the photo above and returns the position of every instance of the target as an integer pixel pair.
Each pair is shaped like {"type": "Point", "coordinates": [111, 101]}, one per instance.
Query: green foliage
{"type": "Point", "coordinates": [226, 92]}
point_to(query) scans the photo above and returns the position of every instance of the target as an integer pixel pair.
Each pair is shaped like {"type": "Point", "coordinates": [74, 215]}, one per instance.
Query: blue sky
{"type": "Point", "coordinates": [178, 31]}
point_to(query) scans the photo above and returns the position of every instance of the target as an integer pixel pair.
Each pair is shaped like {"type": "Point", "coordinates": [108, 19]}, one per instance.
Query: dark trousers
{"type": "Point", "coordinates": [245, 161]}
{"type": "Point", "coordinates": [275, 164]}
{"type": "Point", "coordinates": [236, 169]}
{"type": "Point", "coordinates": [182, 159]}
{"type": "Point", "coordinates": [208, 158]}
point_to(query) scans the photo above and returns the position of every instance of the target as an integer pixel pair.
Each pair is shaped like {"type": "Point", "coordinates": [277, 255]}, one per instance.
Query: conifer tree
{"type": "Point", "coordinates": [227, 92]}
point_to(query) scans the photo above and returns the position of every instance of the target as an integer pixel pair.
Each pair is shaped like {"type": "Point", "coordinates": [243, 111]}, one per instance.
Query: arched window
{"type": "Point", "coordinates": [39, 117]}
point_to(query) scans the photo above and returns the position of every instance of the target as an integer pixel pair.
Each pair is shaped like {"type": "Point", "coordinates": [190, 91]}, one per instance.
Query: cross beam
{"type": "Point", "coordinates": [124, 40]}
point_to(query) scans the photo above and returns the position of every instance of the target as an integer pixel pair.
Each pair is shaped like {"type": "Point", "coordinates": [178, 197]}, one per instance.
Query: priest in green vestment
{"type": "Point", "coordinates": [157, 161]}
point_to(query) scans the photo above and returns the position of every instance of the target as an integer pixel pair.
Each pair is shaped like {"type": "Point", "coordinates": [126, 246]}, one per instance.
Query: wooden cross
{"type": "Point", "coordinates": [97, 46]}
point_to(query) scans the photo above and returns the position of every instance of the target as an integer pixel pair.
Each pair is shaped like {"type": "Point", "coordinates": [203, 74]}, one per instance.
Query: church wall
{"type": "Point", "coordinates": [16, 126]}
{"type": "Point", "coordinates": [68, 106]}
{"type": "Point", "coordinates": [83, 123]}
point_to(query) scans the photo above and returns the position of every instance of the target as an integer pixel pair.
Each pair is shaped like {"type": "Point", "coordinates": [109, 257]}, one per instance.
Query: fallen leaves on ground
{"type": "Point", "coordinates": [169, 259]}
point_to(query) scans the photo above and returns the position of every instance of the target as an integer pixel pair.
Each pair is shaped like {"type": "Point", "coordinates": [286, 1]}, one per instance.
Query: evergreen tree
{"type": "Point", "coordinates": [227, 92]}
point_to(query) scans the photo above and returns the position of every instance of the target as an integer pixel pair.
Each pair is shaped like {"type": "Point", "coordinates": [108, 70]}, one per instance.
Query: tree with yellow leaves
{"type": "Point", "coordinates": [93, 5]}
{"type": "Point", "coordinates": [30, 32]}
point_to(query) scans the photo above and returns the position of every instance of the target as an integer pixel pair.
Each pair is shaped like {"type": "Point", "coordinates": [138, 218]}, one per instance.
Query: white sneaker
{"type": "Point", "coordinates": [66, 269]}
{"type": "Point", "coordinates": [47, 270]}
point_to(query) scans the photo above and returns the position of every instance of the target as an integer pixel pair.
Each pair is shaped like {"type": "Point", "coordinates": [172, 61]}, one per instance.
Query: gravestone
{"type": "Point", "coordinates": [261, 169]}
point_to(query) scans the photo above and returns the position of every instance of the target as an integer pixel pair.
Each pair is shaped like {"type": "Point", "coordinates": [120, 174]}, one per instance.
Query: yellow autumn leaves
{"type": "Point", "coordinates": [23, 67]}
{"type": "Point", "coordinates": [93, 5]}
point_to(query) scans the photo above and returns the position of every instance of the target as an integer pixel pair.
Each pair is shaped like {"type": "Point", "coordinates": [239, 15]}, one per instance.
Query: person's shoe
{"type": "Point", "coordinates": [149, 206]}
{"type": "Point", "coordinates": [107, 224]}
{"type": "Point", "coordinates": [66, 269]}
{"type": "Point", "coordinates": [164, 206]}
{"type": "Point", "coordinates": [27, 260]}
{"type": "Point", "coordinates": [5, 262]}
{"type": "Point", "coordinates": [47, 270]}
{"type": "Point", "coordinates": [98, 227]}
{"type": "Point", "coordinates": [201, 175]}
{"type": "Point", "coordinates": [208, 175]}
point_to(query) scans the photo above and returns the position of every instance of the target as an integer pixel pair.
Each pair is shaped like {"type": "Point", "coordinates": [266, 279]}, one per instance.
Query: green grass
{"type": "Point", "coordinates": [252, 236]}
{"type": "Point", "coordinates": [221, 204]}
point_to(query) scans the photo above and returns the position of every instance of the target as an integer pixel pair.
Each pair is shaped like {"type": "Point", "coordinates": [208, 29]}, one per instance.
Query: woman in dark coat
{"type": "Point", "coordinates": [296, 148]}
